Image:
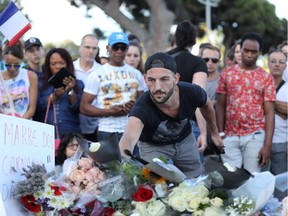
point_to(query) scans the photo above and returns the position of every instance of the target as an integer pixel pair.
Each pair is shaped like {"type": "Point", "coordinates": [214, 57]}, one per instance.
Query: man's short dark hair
{"type": "Point", "coordinates": [252, 36]}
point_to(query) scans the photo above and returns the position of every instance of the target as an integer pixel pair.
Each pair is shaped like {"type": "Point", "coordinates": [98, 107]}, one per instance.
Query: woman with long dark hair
{"type": "Point", "coordinates": [60, 105]}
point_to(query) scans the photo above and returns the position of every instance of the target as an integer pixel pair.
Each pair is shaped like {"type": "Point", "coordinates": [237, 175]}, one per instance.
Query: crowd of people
{"type": "Point", "coordinates": [174, 104]}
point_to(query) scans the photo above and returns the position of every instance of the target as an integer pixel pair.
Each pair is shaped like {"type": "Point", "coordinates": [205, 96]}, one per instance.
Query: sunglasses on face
{"type": "Point", "coordinates": [16, 66]}
{"type": "Point", "coordinates": [214, 60]}
{"type": "Point", "coordinates": [122, 47]}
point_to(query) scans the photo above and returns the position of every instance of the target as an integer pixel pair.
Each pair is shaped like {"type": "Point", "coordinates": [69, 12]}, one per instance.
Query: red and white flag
{"type": "Point", "coordinates": [13, 24]}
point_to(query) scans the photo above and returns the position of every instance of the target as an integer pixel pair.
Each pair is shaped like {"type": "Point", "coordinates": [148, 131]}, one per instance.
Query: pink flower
{"type": "Point", "coordinates": [101, 177]}
{"type": "Point", "coordinates": [85, 163]}
{"type": "Point", "coordinates": [92, 174]}
{"type": "Point", "coordinates": [77, 176]}
{"type": "Point", "coordinates": [75, 189]}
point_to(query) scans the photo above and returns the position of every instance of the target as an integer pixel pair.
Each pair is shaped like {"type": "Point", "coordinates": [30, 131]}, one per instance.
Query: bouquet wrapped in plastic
{"type": "Point", "coordinates": [39, 194]}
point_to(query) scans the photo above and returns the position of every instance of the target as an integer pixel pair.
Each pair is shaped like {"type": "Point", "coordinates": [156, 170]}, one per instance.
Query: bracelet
{"type": "Point", "coordinates": [221, 134]}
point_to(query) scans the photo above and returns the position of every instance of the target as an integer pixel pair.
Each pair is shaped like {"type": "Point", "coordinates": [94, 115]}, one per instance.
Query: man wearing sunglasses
{"type": "Point", "coordinates": [116, 86]}
{"type": "Point", "coordinates": [211, 55]}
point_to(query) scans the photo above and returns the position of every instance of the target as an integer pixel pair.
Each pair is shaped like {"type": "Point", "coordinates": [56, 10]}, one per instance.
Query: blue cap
{"type": "Point", "coordinates": [118, 37]}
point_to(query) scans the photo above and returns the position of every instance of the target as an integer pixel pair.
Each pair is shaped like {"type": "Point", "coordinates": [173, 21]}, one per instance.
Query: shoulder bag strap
{"type": "Point", "coordinates": [47, 109]}
{"type": "Point", "coordinates": [280, 85]}
{"type": "Point", "coordinates": [55, 121]}
{"type": "Point", "coordinates": [54, 113]}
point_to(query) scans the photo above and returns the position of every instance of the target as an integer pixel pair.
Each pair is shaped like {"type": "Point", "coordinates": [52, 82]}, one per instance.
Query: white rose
{"type": "Point", "coordinates": [205, 200]}
{"type": "Point", "coordinates": [218, 202]}
{"type": "Point", "coordinates": [117, 213]}
{"type": "Point", "coordinates": [202, 189]}
{"type": "Point", "coordinates": [194, 204]}
{"type": "Point", "coordinates": [140, 208]}
{"type": "Point", "coordinates": [178, 203]}
{"type": "Point", "coordinates": [156, 208]}
{"type": "Point", "coordinates": [198, 213]}
{"type": "Point", "coordinates": [212, 211]}
{"type": "Point", "coordinates": [94, 147]}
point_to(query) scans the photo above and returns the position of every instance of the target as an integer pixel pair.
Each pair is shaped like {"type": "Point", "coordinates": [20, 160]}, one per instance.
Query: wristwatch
{"type": "Point", "coordinates": [71, 92]}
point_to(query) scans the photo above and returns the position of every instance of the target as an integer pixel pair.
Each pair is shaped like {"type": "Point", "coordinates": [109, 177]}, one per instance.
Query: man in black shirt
{"type": "Point", "coordinates": [160, 119]}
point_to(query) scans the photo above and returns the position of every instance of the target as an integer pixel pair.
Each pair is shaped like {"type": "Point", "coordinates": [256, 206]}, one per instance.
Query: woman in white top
{"type": "Point", "coordinates": [18, 86]}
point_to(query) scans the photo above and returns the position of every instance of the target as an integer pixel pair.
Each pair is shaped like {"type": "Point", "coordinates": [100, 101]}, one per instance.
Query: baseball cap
{"type": "Point", "coordinates": [32, 41]}
{"type": "Point", "coordinates": [161, 60]}
{"type": "Point", "coordinates": [118, 37]}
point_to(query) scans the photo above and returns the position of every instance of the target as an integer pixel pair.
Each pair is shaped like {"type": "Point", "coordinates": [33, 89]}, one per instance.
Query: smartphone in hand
{"type": "Point", "coordinates": [57, 79]}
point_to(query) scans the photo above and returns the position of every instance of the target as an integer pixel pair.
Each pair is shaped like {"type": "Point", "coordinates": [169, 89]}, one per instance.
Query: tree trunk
{"type": "Point", "coordinates": [161, 20]}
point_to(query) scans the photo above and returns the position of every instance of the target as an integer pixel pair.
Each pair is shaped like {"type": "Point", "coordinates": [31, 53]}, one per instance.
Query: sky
{"type": "Point", "coordinates": [56, 20]}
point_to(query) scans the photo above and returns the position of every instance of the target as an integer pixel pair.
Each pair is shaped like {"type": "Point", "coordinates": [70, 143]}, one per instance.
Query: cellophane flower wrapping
{"type": "Point", "coordinates": [259, 189]}
{"type": "Point", "coordinates": [39, 194]}
{"type": "Point", "coordinates": [81, 176]}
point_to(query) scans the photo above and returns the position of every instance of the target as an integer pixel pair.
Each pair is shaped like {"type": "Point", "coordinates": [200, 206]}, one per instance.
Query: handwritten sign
{"type": "Point", "coordinates": [22, 142]}
{"type": "Point", "coordinates": [2, 209]}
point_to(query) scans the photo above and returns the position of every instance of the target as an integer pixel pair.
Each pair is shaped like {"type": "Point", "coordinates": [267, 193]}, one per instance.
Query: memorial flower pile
{"type": "Point", "coordinates": [130, 188]}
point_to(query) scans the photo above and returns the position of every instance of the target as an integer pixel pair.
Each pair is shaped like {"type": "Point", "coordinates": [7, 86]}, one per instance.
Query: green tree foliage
{"type": "Point", "coordinates": [234, 17]}
{"type": "Point", "coordinates": [238, 17]}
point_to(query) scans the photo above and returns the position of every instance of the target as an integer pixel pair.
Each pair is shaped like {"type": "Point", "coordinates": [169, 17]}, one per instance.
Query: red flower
{"type": "Point", "coordinates": [108, 211]}
{"type": "Point", "coordinates": [33, 207]}
{"type": "Point", "coordinates": [28, 198]}
{"type": "Point", "coordinates": [57, 190]}
{"type": "Point", "coordinates": [143, 194]}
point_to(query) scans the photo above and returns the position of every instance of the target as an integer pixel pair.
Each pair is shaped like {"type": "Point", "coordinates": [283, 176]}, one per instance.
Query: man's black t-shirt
{"type": "Point", "coordinates": [187, 64]}
{"type": "Point", "coordinates": [160, 128]}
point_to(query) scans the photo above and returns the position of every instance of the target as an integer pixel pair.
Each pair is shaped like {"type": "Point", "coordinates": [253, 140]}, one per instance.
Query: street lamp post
{"type": "Point", "coordinates": [208, 4]}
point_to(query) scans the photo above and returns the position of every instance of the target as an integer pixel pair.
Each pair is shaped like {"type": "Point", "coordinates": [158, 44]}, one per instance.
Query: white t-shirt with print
{"type": "Point", "coordinates": [114, 86]}
{"type": "Point", "coordinates": [19, 91]}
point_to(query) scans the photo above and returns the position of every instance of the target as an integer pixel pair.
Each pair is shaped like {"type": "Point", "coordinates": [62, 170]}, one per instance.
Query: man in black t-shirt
{"type": "Point", "coordinates": [192, 69]}
{"type": "Point", "coordinates": [160, 119]}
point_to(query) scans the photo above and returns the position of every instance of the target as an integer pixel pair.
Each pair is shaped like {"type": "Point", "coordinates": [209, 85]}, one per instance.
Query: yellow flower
{"type": "Point", "coordinates": [154, 178]}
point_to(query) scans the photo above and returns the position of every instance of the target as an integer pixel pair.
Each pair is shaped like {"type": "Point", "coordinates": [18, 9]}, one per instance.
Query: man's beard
{"type": "Point", "coordinates": [164, 99]}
